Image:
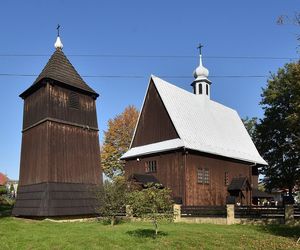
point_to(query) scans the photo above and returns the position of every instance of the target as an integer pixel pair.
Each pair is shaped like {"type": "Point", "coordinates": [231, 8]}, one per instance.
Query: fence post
{"type": "Point", "coordinates": [177, 212]}
{"type": "Point", "coordinates": [289, 214]}
{"type": "Point", "coordinates": [129, 211]}
{"type": "Point", "coordinates": [230, 214]}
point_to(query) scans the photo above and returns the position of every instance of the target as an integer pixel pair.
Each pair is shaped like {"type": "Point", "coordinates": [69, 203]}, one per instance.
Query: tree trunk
{"type": "Point", "coordinates": [156, 227]}
{"type": "Point", "coordinates": [112, 221]}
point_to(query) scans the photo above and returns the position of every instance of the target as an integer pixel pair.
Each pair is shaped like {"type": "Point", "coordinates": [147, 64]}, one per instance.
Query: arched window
{"type": "Point", "coordinates": [200, 88]}
{"type": "Point", "coordinates": [206, 89]}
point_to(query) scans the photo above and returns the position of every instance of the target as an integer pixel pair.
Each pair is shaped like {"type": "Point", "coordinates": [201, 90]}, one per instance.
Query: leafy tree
{"type": "Point", "coordinates": [3, 190]}
{"type": "Point", "coordinates": [152, 203]}
{"type": "Point", "coordinates": [117, 141]}
{"type": "Point", "coordinates": [12, 190]}
{"type": "Point", "coordinates": [250, 125]}
{"type": "Point", "coordinates": [286, 19]}
{"type": "Point", "coordinates": [278, 133]}
{"type": "Point", "coordinates": [111, 198]}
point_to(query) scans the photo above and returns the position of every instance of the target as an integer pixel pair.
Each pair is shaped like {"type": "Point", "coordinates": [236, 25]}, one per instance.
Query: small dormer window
{"type": "Point", "coordinates": [206, 89]}
{"type": "Point", "coordinates": [200, 88]}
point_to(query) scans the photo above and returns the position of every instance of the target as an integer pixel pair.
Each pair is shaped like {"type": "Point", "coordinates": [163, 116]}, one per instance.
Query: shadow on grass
{"type": "Point", "coordinates": [281, 230]}
{"type": "Point", "coordinates": [146, 233]}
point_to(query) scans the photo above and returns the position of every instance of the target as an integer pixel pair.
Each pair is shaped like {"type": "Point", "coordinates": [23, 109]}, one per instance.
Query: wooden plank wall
{"type": "Point", "coordinates": [34, 155]}
{"type": "Point", "coordinates": [216, 191]}
{"type": "Point", "coordinates": [57, 152]}
{"type": "Point", "coordinates": [171, 173]}
{"type": "Point", "coordinates": [154, 123]}
{"type": "Point", "coordinates": [170, 170]}
{"type": "Point", "coordinates": [36, 107]}
{"type": "Point", "coordinates": [59, 108]}
{"type": "Point", "coordinates": [75, 154]}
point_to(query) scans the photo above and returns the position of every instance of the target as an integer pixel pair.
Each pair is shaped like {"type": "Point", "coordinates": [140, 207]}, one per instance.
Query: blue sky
{"type": "Point", "coordinates": [226, 28]}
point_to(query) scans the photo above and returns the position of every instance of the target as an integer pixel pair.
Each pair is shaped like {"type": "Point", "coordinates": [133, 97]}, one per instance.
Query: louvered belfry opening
{"type": "Point", "coordinates": [74, 100]}
{"type": "Point", "coordinates": [60, 158]}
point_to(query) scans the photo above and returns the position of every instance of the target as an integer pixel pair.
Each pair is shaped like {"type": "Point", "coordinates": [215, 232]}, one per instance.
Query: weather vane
{"type": "Point", "coordinates": [200, 48]}
{"type": "Point", "coordinates": [58, 26]}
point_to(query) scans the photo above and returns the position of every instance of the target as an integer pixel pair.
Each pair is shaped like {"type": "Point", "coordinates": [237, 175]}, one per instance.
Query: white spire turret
{"type": "Point", "coordinates": [201, 84]}
{"type": "Point", "coordinates": [201, 72]}
{"type": "Point", "coordinates": [58, 44]}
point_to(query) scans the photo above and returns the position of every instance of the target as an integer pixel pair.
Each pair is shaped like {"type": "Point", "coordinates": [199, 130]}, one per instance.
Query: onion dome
{"type": "Point", "coordinates": [58, 44]}
{"type": "Point", "coordinates": [201, 72]}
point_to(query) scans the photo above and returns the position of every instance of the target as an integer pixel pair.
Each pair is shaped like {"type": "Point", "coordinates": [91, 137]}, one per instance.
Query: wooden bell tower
{"type": "Point", "coordinates": [60, 154]}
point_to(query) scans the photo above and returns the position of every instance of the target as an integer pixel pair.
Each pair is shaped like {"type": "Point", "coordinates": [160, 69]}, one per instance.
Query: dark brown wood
{"type": "Point", "coordinates": [178, 171]}
{"type": "Point", "coordinates": [170, 170]}
{"type": "Point", "coordinates": [215, 192]}
{"type": "Point", "coordinates": [154, 124]}
{"type": "Point", "coordinates": [55, 199]}
{"type": "Point", "coordinates": [60, 147]}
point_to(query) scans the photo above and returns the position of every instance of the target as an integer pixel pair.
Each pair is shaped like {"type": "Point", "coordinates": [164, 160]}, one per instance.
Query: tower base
{"type": "Point", "coordinates": [55, 200]}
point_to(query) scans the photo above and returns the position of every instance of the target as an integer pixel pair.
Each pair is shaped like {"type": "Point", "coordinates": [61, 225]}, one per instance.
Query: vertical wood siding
{"type": "Point", "coordinates": [216, 191]}
{"type": "Point", "coordinates": [75, 154]}
{"type": "Point", "coordinates": [56, 152]}
{"type": "Point", "coordinates": [36, 107]}
{"type": "Point", "coordinates": [154, 124]}
{"type": "Point", "coordinates": [181, 177]}
{"type": "Point", "coordinates": [170, 170]}
{"type": "Point", "coordinates": [34, 155]}
{"type": "Point", "coordinates": [59, 107]}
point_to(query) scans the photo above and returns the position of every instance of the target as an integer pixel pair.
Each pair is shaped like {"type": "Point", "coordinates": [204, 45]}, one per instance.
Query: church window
{"type": "Point", "coordinates": [200, 88]}
{"type": "Point", "coordinates": [226, 179]}
{"type": "Point", "coordinates": [203, 176]}
{"type": "Point", "coordinates": [150, 167]}
{"type": "Point", "coordinates": [206, 89]}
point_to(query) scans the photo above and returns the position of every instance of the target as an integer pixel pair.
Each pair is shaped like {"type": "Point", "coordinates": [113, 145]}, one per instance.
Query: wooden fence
{"type": "Point", "coordinates": [203, 211]}
{"type": "Point", "coordinates": [231, 214]}
{"type": "Point", "coordinates": [258, 212]}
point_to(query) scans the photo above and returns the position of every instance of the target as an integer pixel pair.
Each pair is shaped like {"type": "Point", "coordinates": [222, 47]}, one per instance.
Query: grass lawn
{"type": "Point", "coordinates": [30, 234]}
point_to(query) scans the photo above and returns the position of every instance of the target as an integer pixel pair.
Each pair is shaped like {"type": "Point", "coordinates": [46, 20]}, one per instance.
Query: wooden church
{"type": "Point", "coordinates": [193, 145]}
{"type": "Point", "coordinates": [60, 154]}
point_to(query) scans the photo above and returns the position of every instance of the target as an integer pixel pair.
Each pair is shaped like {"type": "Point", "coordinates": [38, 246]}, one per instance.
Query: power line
{"type": "Point", "coordinates": [156, 56]}
{"type": "Point", "coordinates": [140, 76]}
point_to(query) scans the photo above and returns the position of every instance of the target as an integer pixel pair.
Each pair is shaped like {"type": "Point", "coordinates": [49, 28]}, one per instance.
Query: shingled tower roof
{"type": "Point", "coordinates": [60, 69]}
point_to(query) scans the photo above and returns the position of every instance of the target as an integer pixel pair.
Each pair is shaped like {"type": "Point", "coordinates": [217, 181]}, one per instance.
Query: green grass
{"type": "Point", "coordinates": [29, 234]}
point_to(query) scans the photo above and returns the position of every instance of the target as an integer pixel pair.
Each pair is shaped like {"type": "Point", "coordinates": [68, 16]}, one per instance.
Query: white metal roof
{"type": "Point", "coordinates": [154, 148]}
{"type": "Point", "coordinates": [203, 125]}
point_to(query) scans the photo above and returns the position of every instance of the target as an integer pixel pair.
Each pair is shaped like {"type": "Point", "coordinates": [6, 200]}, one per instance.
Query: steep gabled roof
{"type": "Point", "coordinates": [205, 125]}
{"type": "Point", "coordinates": [59, 68]}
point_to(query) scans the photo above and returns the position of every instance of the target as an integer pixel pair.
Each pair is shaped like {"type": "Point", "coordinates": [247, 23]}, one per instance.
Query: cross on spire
{"type": "Point", "coordinates": [58, 44]}
{"type": "Point", "coordinates": [200, 48]}
{"type": "Point", "coordinates": [58, 26]}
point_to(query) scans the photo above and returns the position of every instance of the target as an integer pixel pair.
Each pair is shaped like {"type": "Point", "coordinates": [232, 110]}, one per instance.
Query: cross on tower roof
{"type": "Point", "coordinates": [58, 26]}
{"type": "Point", "coordinates": [200, 48]}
